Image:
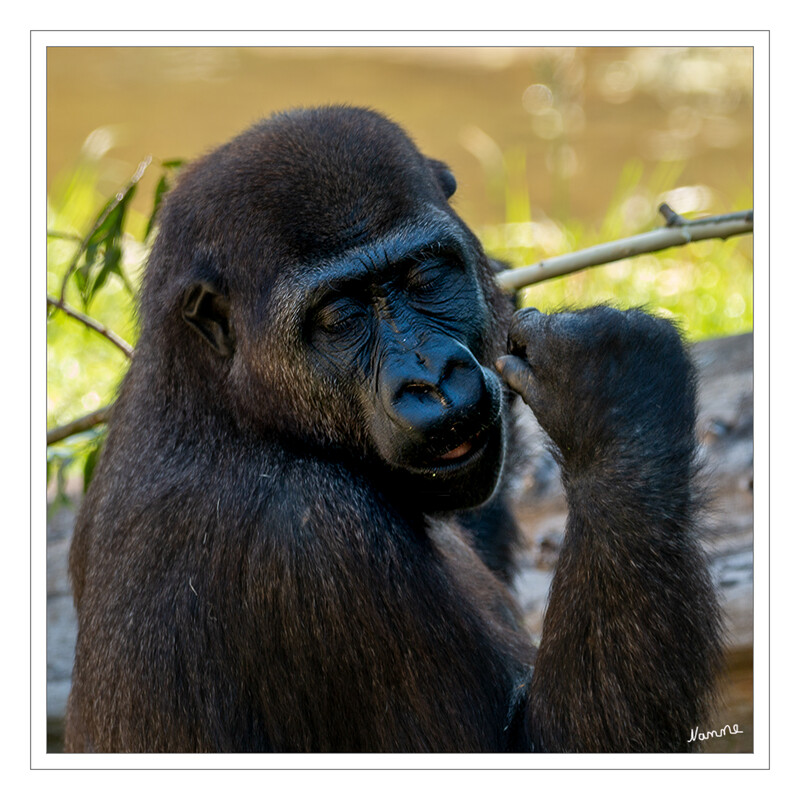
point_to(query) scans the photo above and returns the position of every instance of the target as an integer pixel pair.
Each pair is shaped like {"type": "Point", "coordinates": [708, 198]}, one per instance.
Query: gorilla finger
{"type": "Point", "coordinates": [526, 324]}
{"type": "Point", "coordinates": [519, 377]}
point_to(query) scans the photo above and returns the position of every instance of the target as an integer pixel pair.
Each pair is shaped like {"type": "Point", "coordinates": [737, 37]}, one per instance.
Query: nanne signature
{"type": "Point", "coordinates": [696, 735]}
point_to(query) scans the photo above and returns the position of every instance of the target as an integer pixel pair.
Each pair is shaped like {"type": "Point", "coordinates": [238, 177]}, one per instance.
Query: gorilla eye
{"type": "Point", "coordinates": [427, 276]}
{"type": "Point", "coordinates": [339, 316]}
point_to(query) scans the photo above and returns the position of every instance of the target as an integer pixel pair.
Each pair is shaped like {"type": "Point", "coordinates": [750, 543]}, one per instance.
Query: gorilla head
{"type": "Point", "coordinates": [345, 305]}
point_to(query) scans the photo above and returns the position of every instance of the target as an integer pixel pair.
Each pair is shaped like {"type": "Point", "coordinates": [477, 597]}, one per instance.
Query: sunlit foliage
{"type": "Point", "coordinates": [706, 286]}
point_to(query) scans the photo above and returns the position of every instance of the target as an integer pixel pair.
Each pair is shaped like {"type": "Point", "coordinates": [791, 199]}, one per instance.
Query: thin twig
{"type": "Point", "coordinates": [91, 323]}
{"type": "Point", "coordinates": [99, 417]}
{"type": "Point", "coordinates": [99, 222]}
{"type": "Point", "coordinates": [678, 231]}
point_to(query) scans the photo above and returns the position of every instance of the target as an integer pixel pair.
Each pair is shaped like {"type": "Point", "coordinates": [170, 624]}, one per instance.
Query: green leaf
{"type": "Point", "coordinates": [91, 462]}
{"type": "Point", "coordinates": [81, 281]}
{"type": "Point", "coordinates": [103, 255]}
{"type": "Point", "coordinates": [161, 188]}
{"type": "Point", "coordinates": [112, 264]}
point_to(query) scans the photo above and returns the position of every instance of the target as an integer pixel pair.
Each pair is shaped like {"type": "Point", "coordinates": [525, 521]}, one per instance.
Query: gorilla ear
{"type": "Point", "coordinates": [445, 177]}
{"type": "Point", "coordinates": [208, 312]}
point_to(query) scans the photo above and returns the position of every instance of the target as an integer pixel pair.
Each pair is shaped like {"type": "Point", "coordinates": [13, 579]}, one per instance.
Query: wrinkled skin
{"type": "Point", "coordinates": [298, 537]}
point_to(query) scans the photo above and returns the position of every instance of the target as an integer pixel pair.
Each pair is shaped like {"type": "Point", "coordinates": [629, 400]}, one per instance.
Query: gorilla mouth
{"type": "Point", "coordinates": [456, 477]}
{"type": "Point", "coordinates": [463, 452]}
{"type": "Point", "coordinates": [458, 452]}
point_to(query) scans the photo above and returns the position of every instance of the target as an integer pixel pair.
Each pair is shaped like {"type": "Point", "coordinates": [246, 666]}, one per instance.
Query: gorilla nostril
{"type": "Point", "coordinates": [419, 390]}
{"type": "Point", "coordinates": [417, 387]}
{"type": "Point", "coordinates": [464, 385]}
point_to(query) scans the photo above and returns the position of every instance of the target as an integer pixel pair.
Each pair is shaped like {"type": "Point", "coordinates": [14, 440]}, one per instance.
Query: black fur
{"type": "Point", "coordinates": [277, 551]}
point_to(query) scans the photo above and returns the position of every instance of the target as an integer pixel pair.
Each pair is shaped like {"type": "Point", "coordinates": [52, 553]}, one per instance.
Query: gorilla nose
{"type": "Point", "coordinates": [435, 406]}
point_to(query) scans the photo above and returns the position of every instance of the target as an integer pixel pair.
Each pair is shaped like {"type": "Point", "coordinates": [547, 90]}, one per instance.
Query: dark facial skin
{"type": "Point", "coordinates": [394, 324]}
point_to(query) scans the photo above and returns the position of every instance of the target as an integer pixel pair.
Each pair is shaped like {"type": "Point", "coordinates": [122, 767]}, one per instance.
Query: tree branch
{"type": "Point", "coordinates": [677, 231]}
{"type": "Point", "coordinates": [99, 417]}
{"type": "Point", "coordinates": [91, 323]}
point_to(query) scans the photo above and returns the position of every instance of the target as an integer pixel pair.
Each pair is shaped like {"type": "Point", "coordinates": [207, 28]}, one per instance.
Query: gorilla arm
{"type": "Point", "coordinates": [631, 642]}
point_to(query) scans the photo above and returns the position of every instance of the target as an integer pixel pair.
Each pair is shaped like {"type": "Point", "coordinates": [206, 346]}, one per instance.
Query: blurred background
{"type": "Point", "coordinates": [554, 150]}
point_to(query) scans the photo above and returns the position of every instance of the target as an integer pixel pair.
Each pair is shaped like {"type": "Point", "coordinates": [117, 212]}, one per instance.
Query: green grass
{"type": "Point", "coordinates": [706, 286]}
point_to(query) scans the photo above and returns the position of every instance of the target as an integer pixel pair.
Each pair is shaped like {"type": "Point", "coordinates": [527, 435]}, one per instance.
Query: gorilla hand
{"type": "Point", "coordinates": [600, 381]}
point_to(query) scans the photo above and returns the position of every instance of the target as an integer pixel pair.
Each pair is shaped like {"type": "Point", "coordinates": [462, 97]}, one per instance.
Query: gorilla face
{"type": "Point", "coordinates": [356, 310]}
{"type": "Point", "coordinates": [397, 323]}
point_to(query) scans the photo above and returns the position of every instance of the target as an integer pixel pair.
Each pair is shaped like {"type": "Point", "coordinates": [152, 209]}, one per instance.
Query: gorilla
{"type": "Point", "coordinates": [298, 535]}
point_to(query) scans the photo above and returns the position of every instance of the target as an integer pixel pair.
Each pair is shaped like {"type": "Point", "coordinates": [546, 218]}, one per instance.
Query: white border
{"type": "Point", "coordinates": [41, 40]}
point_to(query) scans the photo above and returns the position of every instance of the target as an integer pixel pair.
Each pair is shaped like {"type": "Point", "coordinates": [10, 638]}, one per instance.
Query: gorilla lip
{"type": "Point", "coordinates": [457, 452]}
{"type": "Point", "coordinates": [462, 453]}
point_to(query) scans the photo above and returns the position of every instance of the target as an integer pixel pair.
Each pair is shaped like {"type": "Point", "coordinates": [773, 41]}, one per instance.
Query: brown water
{"type": "Point", "coordinates": [564, 121]}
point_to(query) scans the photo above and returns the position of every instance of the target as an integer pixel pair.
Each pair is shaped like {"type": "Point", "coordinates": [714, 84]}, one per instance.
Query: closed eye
{"type": "Point", "coordinates": [339, 316]}
{"type": "Point", "coordinates": [428, 275]}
